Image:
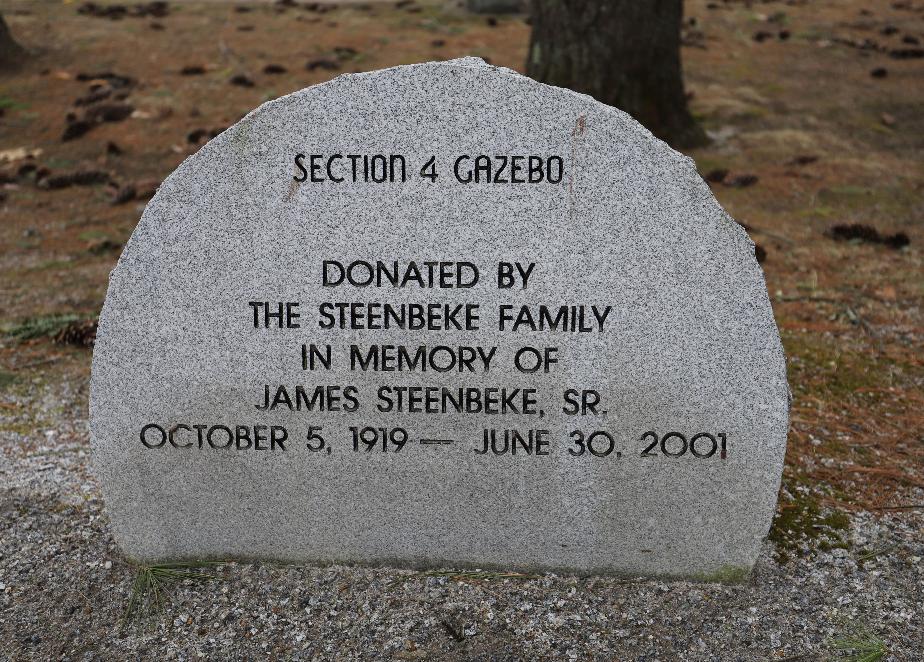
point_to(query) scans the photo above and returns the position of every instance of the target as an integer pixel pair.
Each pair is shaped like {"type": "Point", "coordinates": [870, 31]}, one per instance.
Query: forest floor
{"type": "Point", "coordinates": [816, 114]}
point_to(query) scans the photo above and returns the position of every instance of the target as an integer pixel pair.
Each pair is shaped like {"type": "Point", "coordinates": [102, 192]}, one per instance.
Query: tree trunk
{"type": "Point", "coordinates": [11, 53]}
{"type": "Point", "coordinates": [625, 53]}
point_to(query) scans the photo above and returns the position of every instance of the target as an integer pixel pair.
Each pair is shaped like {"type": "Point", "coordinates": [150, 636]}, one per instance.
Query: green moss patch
{"type": "Point", "coordinates": [7, 379]}
{"type": "Point", "coordinates": [819, 367]}
{"type": "Point", "coordinates": [801, 526]}
{"type": "Point", "coordinates": [727, 574]}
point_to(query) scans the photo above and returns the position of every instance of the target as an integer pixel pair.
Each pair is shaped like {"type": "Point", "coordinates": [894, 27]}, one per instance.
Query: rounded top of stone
{"type": "Point", "coordinates": [467, 61]}
{"type": "Point", "coordinates": [349, 89]}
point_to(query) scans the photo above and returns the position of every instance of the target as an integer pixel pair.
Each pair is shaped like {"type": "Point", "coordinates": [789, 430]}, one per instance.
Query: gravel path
{"type": "Point", "coordinates": [64, 588]}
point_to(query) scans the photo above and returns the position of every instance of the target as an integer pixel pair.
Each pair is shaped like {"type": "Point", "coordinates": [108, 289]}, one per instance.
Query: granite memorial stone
{"type": "Point", "coordinates": [440, 315]}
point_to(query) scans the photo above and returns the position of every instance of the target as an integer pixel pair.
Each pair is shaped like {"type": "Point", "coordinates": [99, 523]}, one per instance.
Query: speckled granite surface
{"type": "Point", "coordinates": [656, 303]}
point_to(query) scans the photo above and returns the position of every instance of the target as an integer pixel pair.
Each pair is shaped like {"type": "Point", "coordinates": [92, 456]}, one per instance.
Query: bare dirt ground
{"type": "Point", "coordinates": [816, 110]}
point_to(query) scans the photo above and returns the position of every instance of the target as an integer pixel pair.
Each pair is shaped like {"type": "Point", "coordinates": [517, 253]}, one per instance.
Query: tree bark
{"type": "Point", "coordinates": [625, 53]}
{"type": "Point", "coordinates": [11, 53]}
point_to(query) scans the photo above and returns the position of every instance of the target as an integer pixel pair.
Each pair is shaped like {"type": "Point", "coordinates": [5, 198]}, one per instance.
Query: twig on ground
{"type": "Point", "coordinates": [151, 581]}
